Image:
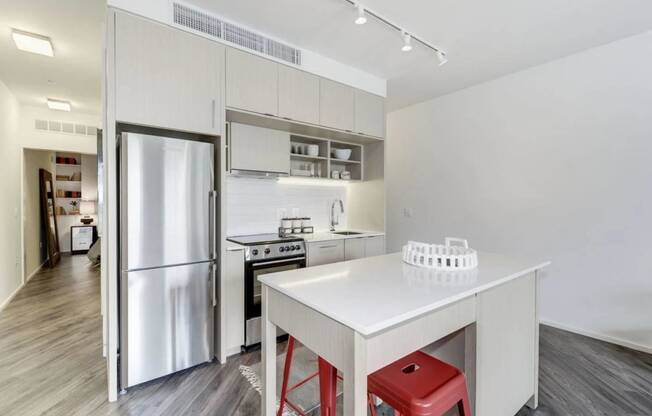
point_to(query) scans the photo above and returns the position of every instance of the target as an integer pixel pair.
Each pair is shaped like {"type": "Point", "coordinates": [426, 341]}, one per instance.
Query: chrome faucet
{"type": "Point", "coordinates": [334, 221]}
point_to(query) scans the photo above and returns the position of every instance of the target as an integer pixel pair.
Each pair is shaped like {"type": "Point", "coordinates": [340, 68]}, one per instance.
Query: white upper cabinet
{"type": "Point", "coordinates": [257, 149]}
{"type": "Point", "coordinates": [369, 114]}
{"type": "Point", "coordinates": [251, 82]}
{"type": "Point", "coordinates": [157, 79]}
{"type": "Point", "coordinates": [298, 95]}
{"type": "Point", "coordinates": [336, 105]}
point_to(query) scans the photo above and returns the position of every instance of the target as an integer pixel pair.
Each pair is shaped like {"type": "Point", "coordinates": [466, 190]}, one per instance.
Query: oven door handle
{"type": "Point", "coordinates": [278, 261]}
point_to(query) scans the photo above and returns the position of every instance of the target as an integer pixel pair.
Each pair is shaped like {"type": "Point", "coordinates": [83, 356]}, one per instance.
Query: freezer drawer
{"type": "Point", "coordinates": [166, 201]}
{"type": "Point", "coordinates": [167, 321]}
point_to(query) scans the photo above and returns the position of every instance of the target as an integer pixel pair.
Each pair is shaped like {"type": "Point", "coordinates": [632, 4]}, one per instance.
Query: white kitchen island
{"type": "Point", "coordinates": [363, 314]}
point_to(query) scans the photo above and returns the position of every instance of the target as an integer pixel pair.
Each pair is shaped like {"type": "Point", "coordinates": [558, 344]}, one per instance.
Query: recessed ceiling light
{"type": "Point", "coordinates": [407, 44]}
{"type": "Point", "coordinates": [59, 105]}
{"type": "Point", "coordinates": [31, 42]}
{"type": "Point", "coordinates": [361, 19]}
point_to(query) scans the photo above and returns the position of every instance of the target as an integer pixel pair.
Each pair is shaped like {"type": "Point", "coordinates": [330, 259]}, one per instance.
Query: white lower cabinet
{"type": "Point", "coordinates": [332, 251]}
{"type": "Point", "coordinates": [354, 248]}
{"type": "Point", "coordinates": [374, 246]}
{"type": "Point", "coordinates": [325, 252]}
{"type": "Point", "coordinates": [234, 301]}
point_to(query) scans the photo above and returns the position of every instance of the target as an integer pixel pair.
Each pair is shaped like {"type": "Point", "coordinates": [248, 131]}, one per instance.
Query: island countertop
{"type": "Point", "coordinates": [372, 294]}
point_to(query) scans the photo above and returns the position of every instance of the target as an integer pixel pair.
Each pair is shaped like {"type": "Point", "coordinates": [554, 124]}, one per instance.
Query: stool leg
{"type": "Point", "coordinates": [372, 405]}
{"type": "Point", "coordinates": [463, 406]}
{"type": "Point", "coordinates": [327, 388]}
{"type": "Point", "coordinates": [286, 374]}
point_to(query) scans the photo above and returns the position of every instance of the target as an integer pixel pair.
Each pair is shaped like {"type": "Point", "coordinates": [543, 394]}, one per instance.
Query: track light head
{"type": "Point", "coordinates": [407, 43]}
{"type": "Point", "coordinates": [441, 57]}
{"type": "Point", "coordinates": [361, 19]}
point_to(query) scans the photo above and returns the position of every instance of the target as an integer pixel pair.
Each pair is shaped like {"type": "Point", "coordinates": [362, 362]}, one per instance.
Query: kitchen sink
{"type": "Point", "coordinates": [346, 232]}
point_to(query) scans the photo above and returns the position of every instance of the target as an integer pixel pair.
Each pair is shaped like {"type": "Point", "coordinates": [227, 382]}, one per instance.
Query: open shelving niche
{"type": "Point", "coordinates": [67, 170]}
{"type": "Point", "coordinates": [325, 163]}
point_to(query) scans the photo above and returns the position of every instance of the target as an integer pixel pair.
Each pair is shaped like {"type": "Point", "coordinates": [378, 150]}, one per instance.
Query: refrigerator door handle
{"type": "Point", "coordinates": [214, 282]}
{"type": "Point", "coordinates": [212, 235]}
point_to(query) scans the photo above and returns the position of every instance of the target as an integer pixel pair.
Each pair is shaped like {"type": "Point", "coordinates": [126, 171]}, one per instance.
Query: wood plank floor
{"type": "Point", "coordinates": [51, 364]}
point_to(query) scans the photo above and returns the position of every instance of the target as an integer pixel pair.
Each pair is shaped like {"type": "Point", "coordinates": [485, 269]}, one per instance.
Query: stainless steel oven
{"type": "Point", "coordinates": [253, 293]}
{"type": "Point", "coordinates": [265, 254]}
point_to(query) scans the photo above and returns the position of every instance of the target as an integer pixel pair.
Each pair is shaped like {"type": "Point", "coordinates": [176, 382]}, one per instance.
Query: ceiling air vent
{"type": "Point", "coordinates": [203, 22]}
{"type": "Point", "coordinates": [65, 127]}
{"type": "Point", "coordinates": [41, 124]}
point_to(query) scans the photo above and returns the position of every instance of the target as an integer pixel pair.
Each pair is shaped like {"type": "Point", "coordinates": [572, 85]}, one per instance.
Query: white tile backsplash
{"type": "Point", "coordinates": [253, 205]}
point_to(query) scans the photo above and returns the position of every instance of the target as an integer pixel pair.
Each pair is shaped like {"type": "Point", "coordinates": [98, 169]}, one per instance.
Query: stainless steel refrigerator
{"type": "Point", "coordinates": [168, 255]}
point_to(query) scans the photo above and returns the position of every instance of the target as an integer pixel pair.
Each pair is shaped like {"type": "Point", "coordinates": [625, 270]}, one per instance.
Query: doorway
{"type": "Point", "coordinates": [75, 200]}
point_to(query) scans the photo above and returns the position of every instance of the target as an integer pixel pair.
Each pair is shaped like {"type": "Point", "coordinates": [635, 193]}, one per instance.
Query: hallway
{"type": "Point", "coordinates": [50, 343]}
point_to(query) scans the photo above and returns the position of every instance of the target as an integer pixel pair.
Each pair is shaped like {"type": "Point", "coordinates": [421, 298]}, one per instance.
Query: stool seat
{"type": "Point", "coordinates": [420, 385]}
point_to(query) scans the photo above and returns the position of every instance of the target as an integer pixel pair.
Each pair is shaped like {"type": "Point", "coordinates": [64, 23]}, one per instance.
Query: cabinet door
{"type": "Point", "coordinates": [259, 149]}
{"type": "Point", "coordinates": [234, 300]}
{"type": "Point", "coordinates": [374, 246]}
{"type": "Point", "coordinates": [157, 78]}
{"type": "Point", "coordinates": [369, 114]}
{"type": "Point", "coordinates": [354, 248]}
{"type": "Point", "coordinates": [507, 342]}
{"type": "Point", "coordinates": [325, 252]}
{"type": "Point", "coordinates": [251, 82]}
{"type": "Point", "coordinates": [336, 105]}
{"type": "Point", "coordinates": [298, 95]}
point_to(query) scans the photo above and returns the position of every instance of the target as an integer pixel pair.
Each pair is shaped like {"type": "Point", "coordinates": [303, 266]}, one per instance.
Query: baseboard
{"type": "Point", "coordinates": [38, 269]}
{"type": "Point", "coordinates": [598, 336]}
{"type": "Point", "coordinates": [13, 294]}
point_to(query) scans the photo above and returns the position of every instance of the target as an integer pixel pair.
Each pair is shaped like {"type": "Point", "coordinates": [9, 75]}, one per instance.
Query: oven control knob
{"type": "Point", "coordinates": [287, 248]}
{"type": "Point", "coordinates": [281, 249]}
{"type": "Point", "coordinates": [298, 247]}
{"type": "Point", "coordinates": [292, 248]}
{"type": "Point", "coordinates": [254, 252]}
{"type": "Point", "coordinates": [267, 250]}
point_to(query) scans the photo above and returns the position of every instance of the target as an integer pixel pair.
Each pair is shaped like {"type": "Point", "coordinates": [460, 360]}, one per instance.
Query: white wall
{"type": "Point", "coordinates": [253, 204]}
{"type": "Point", "coordinates": [35, 249]}
{"type": "Point", "coordinates": [161, 10]}
{"type": "Point", "coordinates": [553, 162]}
{"type": "Point", "coordinates": [10, 268]}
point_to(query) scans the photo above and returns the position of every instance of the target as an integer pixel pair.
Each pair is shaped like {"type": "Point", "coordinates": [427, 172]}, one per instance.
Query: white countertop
{"type": "Point", "coordinates": [375, 293]}
{"type": "Point", "coordinates": [231, 246]}
{"type": "Point", "coordinates": [329, 236]}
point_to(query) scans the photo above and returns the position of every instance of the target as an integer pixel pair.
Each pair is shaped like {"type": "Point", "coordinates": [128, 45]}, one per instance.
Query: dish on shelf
{"type": "Point", "coordinates": [300, 172]}
{"type": "Point", "coordinates": [342, 154]}
{"type": "Point", "coordinates": [312, 150]}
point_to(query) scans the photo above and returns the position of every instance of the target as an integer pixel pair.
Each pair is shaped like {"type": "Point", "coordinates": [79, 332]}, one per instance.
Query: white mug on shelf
{"type": "Point", "coordinates": [335, 174]}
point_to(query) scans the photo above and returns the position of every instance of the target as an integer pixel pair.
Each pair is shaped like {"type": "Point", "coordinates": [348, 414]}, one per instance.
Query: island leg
{"type": "Point", "coordinates": [268, 352]}
{"type": "Point", "coordinates": [355, 379]}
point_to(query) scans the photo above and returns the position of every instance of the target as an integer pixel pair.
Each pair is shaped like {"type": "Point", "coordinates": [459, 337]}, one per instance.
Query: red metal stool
{"type": "Point", "coordinates": [327, 384]}
{"type": "Point", "coordinates": [419, 385]}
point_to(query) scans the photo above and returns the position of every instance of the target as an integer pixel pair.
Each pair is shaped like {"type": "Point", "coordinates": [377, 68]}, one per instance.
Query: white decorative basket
{"type": "Point", "coordinates": [442, 257]}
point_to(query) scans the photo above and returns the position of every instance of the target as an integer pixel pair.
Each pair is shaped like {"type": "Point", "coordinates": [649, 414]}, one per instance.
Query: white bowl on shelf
{"type": "Point", "coordinates": [342, 154]}
{"type": "Point", "coordinates": [312, 150]}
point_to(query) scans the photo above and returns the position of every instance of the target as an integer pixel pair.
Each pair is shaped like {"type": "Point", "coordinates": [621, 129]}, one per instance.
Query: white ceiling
{"type": "Point", "coordinates": [74, 74]}
{"type": "Point", "coordinates": [484, 39]}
